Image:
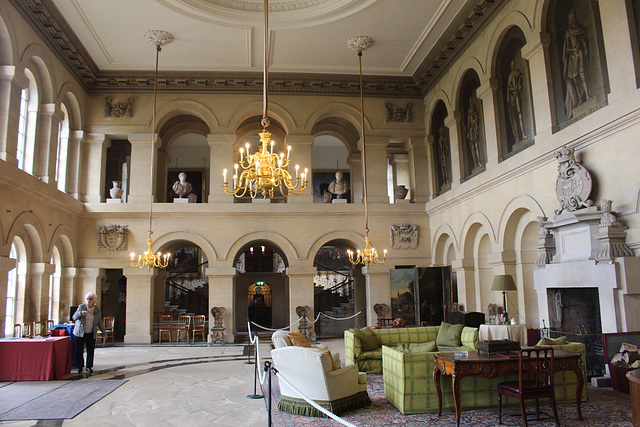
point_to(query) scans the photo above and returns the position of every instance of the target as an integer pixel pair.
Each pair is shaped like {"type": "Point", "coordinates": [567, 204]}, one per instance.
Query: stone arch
{"type": "Point", "coordinates": [30, 229]}
{"type": "Point", "coordinates": [70, 95]}
{"type": "Point", "coordinates": [340, 110]}
{"type": "Point", "coordinates": [472, 225]}
{"type": "Point", "coordinates": [254, 108]}
{"type": "Point", "coordinates": [278, 240]}
{"type": "Point", "coordinates": [511, 210]}
{"type": "Point", "coordinates": [471, 133]}
{"type": "Point", "coordinates": [444, 98]}
{"type": "Point", "coordinates": [469, 64]}
{"type": "Point", "coordinates": [7, 44]}
{"type": "Point", "coordinates": [441, 247]}
{"type": "Point", "coordinates": [348, 237]}
{"type": "Point", "coordinates": [165, 240]}
{"type": "Point", "coordinates": [36, 58]}
{"type": "Point", "coordinates": [61, 240]}
{"type": "Point", "coordinates": [512, 19]}
{"type": "Point", "coordinates": [173, 108]}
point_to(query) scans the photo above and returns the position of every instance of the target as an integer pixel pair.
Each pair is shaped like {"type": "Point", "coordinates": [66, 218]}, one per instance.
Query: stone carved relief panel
{"type": "Point", "coordinates": [398, 114]}
{"type": "Point", "coordinates": [573, 184]}
{"type": "Point", "coordinates": [113, 237]}
{"type": "Point", "coordinates": [118, 110]}
{"type": "Point", "coordinates": [404, 236]}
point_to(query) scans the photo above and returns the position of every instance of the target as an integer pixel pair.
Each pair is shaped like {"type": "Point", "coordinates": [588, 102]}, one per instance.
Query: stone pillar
{"type": "Point", "coordinates": [464, 270]}
{"type": "Point", "coordinates": [418, 163]}
{"type": "Point", "coordinates": [487, 92]}
{"type": "Point", "coordinates": [12, 81]}
{"type": "Point", "coordinates": [301, 155]}
{"type": "Point", "coordinates": [376, 151]}
{"type": "Point", "coordinates": [618, 47]}
{"type": "Point", "coordinates": [88, 279]}
{"type": "Point", "coordinates": [378, 289]}
{"type": "Point", "coordinates": [355, 166]}
{"type": "Point", "coordinates": [141, 182]}
{"type": "Point", "coordinates": [221, 157]}
{"type": "Point", "coordinates": [431, 174]}
{"type": "Point", "coordinates": [454, 123]}
{"type": "Point", "coordinates": [534, 53]}
{"type": "Point", "coordinates": [76, 137]}
{"type": "Point", "coordinates": [67, 282]}
{"type": "Point", "coordinates": [300, 290]}
{"type": "Point", "coordinates": [6, 265]}
{"type": "Point", "coordinates": [37, 291]}
{"type": "Point", "coordinates": [139, 313]}
{"type": "Point", "coordinates": [46, 143]}
{"type": "Point", "coordinates": [94, 159]}
{"type": "Point", "coordinates": [222, 294]}
{"type": "Point", "coordinates": [162, 177]}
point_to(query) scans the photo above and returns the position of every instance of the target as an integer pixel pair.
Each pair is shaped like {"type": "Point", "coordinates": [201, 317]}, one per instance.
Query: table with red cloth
{"type": "Point", "coordinates": [32, 359]}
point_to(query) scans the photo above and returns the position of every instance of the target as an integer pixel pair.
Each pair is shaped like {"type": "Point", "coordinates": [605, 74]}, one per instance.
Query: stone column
{"type": "Point", "coordinates": [534, 53]}
{"type": "Point", "coordinates": [222, 294]}
{"type": "Point", "coordinates": [94, 159]}
{"type": "Point", "coordinates": [76, 137]}
{"type": "Point", "coordinates": [418, 164]}
{"type": "Point", "coordinates": [139, 313]}
{"type": "Point", "coordinates": [88, 279]}
{"type": "Point", "coordinates": [355, 166]}
{"type": "Point", "coordinates": [6, 265]}
{"type": "Point", "coordinates": [487, 92]}
{"type": "Point", "coordinates": [454, 123]}
{"type": "Point", "coordinates": [67, 282]}
{"type": "Point", "coordinates": [464, 270]}
{"type": "Point", "coordinates": [431, 171]}
{"type": "Point", "coordinates": [300, 290]}
{"type": "Point", "coordinates": [46, 143]}
{"type": "Point", "coordinates": [12, 81]}
{"type": "Point", "coordinates": [221, 157]}
{"type": "Point", "coordinates": [378, 289]}
{"type": "Point", "coordinates": [376, 151]}
{"type": "Point", "coordinates": [141, 183]}
{"type": "Point", "coordinates": [162, 177]}
{"type": "Point", "coordinates": [37, 291]}
{"type": "Point", "coordinates": [301, 155]}
{"type": "Point", "coordinates": [618, 47]}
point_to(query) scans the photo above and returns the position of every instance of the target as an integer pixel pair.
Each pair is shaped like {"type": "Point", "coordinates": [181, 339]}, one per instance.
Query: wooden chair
{"type": "Point", "coordinates": [535, 382]}
{"type": "Point", "coordinates": [108, 323]}
{"type": "Point", "coordinates": [37, 329]}
{"type": "Point", "coordinates": [17, 330]}
{"type": "Point", "coordinates": [164, 326]}
{"type": "Point", "coordinates": [198, 327]}
{"type": "Point", "coordinates": [184, 323]}
{"type": "Point", "coordinates": [27, 329]}
{"type": "Point", "coordinates": [49, 326]}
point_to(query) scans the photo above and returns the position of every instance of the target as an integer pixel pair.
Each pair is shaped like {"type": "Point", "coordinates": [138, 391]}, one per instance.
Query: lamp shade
{"type": "Point", "coordinates": [503, 282]}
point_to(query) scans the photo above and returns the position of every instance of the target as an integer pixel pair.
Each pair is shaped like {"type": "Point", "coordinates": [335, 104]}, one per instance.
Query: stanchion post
{"type": "Point", "coordinates": [249, 362]}
{"type": "Point", "coordinates": [267, 369]}
{"type": "Point", "coordinates": [255, 384]}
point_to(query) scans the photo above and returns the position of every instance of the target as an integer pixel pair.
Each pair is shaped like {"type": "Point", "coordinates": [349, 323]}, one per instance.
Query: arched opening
{"type": "Point", "coordinates": [54, 286]}
{"type": "Point", "coordinates": [186, 287]}
{"type": "Point", "coordinates": [472, 135]}
{"type": "Point", "coordinates": [27, 123]}
{"type": "Point", "coordinates": [12, 289]}
{"type": "Point", "coordinates": [442, 149]}
{"type": "Point", "coordinates": [259, 303]}
{"type": "Point", "coordinates": [330, 156]}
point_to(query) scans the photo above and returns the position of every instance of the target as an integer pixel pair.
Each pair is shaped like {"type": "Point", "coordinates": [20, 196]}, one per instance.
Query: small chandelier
{"type": "Point", "coordinates": [265, 170]}
{"type": "Point", "coordinates": [369, 255]}
{"type": "Point", "coordinates": [148, 258]}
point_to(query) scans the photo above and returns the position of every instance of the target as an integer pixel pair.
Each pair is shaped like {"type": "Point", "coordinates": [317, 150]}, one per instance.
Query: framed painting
{"type": "Point", "coordinates": [196, 177]}
{"type": "Point", "coordinates": [404, 294]}
{"type": "Point", "coordinates": [321, 181]}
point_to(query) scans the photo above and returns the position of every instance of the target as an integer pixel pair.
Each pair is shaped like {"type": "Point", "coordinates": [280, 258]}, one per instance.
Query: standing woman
{"type": "Point", "coordinates": [88, 319]}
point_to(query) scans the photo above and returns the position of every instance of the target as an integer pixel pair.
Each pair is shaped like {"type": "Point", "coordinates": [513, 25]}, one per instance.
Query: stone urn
{"type": "Point", "coordinates": [115, 191]}
{"type": "Point", "coordinates": [400, 192]}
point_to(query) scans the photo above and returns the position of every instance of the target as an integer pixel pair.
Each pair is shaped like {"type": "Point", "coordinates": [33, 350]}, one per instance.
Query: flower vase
{"type": "Point", "coordinates": [115, 192]}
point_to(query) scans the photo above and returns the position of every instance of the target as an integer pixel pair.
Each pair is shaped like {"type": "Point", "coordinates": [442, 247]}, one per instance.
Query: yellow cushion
{"type": "Point", "coordinates": [553, 341]}
{"type": "Point", "coordinates": [298, 340]}
{"type": "Point", "coordinates": [334, 367]}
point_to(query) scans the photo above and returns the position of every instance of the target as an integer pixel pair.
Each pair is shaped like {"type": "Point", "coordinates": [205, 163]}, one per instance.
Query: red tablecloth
{"type": "Point", "coordinates": [27, 359]}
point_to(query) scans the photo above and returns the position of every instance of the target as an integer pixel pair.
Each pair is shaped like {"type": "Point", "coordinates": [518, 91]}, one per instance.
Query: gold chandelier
{"type": "Point", "coordinates": [148, 258]}
{"type": "Point", "coordinates": [369, 255]}
{"type": "Point", "coordinates": [264, 171]}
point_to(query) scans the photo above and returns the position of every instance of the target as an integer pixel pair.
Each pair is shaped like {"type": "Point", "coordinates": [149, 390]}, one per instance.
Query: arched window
{"type": "Point", "coordinates": [27, 124]}
{"type": "Point", "coordinates": [63, 150]}
{"type": "Point", "coordinates": [12, 281]}
{"type": "Point", "coordinates": [54, 285]}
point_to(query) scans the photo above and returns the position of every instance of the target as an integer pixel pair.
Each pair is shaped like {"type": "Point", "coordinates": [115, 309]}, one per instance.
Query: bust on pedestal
{"type": "Point", "coordinates": [184, 190]}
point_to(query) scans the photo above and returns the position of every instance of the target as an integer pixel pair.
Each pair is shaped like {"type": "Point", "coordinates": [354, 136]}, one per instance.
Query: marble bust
{"type": "Point", "coordinates": [183, 188]}
{"type": "Point", "coordinates": [339, 186]}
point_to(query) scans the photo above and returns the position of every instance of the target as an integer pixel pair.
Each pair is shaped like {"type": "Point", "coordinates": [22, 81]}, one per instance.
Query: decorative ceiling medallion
{"type": "Point", "coordinates": [257, 5]}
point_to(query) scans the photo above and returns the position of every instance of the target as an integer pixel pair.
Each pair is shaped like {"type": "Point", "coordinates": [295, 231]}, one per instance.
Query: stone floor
{"type": "Point", "coordinates": [175, 385]}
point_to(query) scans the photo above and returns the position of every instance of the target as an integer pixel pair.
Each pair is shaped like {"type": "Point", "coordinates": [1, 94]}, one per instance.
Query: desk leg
{"type": "Point", "coordinates": [455, 379]}
{"type": "Point", "coordinates": [436, 380]}
{"type": "Point", "coordinates": [579, 386]}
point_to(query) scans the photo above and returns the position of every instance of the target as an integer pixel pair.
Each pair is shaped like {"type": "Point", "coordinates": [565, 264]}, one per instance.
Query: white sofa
{"type": "Point", "coordinates": [309, 370]}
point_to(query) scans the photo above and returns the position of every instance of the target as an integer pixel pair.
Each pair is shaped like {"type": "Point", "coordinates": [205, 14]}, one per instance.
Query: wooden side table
{"type": "Point", "coordinates": [634, 389]}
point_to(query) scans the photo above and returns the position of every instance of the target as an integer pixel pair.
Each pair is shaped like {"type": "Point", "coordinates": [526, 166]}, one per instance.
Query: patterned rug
{"type": "Point", "coordinates": [605, 408]}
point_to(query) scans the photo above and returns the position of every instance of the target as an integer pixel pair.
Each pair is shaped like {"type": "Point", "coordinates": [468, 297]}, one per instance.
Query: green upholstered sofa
{"type": "Point", "coordinates": [409, 385]}
{"type": "Point", "coordinates": [371, 361]}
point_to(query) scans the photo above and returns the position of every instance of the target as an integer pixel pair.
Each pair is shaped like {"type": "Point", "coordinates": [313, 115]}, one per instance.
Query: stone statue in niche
{"type": "Point", "coordinates": [118, 110]}
{"type": "Point", "coordinates": [473, 134]}
{"type": "Point", "coordinates": [404, 236]}
{"type": "Point", "coordinates": [113, 237]}
{"type": "Point", "coordinates": [575, 58]}
{"type": "Point", "coordinates": [573, 185]}
{"type": "Point", "coordinates": [183, 188]}
{"type": "Point", "coordinates": [443, 150]}
{"type": "Point", "coordinates": [339, 187]}
{"type": "Point", "coordinates": [399, 115]}
{"type": "Point", "coordinates": [514, 102]}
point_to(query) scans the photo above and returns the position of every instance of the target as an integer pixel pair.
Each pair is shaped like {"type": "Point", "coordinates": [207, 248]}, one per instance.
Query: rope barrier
{"type": "Point", "coordinates": [271, 329]}
{"type": "Point", "coordinates": [335, 318]}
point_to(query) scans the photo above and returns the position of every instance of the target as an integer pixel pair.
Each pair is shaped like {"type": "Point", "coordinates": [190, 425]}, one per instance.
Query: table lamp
{"type": "Point", "coordinates": [504, 283]}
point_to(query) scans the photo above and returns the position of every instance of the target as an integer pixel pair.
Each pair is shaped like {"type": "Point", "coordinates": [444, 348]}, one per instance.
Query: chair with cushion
{"type": "Point", "coordinates": [164, 327]}
{"type": "Point", "coordinates": [184, 323]}
{"type": "Point", "coordinates": [535, 381]}
{"type": "Point", "coordinates": [311, 371]}
{"type": "Point", "coordinates": [108, 323]}
{"type": "Point", "coordinates": [199, 327]}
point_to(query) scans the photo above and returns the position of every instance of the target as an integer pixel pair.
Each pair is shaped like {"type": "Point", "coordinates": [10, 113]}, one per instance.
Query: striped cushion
{"type": "Point", "coordinates": [469, 337]}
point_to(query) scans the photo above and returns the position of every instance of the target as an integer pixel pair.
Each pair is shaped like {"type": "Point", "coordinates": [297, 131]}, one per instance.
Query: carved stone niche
{"type": "Point", "coordinates": [399, 115]}
{"type": "Point", "coordinates": [113, 237]}
{"type": "Point", "coordinates": [404, 236]}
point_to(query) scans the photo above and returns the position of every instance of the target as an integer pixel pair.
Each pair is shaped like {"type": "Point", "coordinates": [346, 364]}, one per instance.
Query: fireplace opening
{"type": "Point", "coordinates": [575, 313]}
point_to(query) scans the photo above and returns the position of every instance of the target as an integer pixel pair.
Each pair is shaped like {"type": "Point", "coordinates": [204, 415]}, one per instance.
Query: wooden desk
{"type": "Point", "coordinates": [491, 366]}
{"type": "Point", "coordinates": [36, 359]}
{"type": "Point", "coordinates": [504, 332]}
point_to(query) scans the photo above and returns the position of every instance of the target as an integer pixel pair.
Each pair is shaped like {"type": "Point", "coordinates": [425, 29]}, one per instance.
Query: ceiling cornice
{"type": "Point", "coordinates": [47, 21]}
